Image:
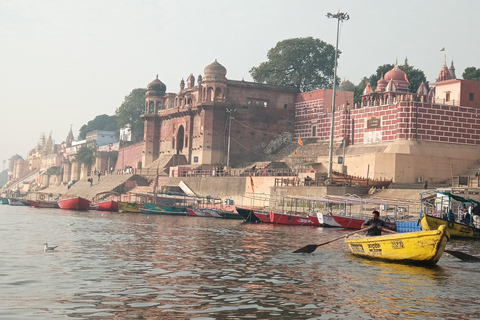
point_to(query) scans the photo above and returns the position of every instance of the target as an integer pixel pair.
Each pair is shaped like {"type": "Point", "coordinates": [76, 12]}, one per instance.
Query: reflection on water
{"type": "Point", "coordinates": [117, 266]}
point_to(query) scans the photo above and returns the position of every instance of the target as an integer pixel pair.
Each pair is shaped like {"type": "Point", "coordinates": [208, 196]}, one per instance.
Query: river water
{"type": "Point", "coordinates": [135, 266]}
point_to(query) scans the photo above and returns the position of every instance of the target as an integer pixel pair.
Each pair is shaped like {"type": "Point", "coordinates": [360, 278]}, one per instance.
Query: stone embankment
{"type": "Point", "coordinates": [83, 188]}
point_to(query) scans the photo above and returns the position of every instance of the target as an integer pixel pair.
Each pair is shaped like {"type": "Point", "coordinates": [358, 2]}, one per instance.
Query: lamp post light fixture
{"type": "Point", "coordinates": [230, 117]}
{"type": "Point", "coordinates": [340, 16]}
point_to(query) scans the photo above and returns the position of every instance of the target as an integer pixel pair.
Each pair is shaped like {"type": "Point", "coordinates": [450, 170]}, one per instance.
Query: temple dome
{"type": "Point", "coordinates": [381, 85]}
{"type": "Point", "coordinates": [215, 72]}
{"type": "Point", "coordinates": [156, 88]}
{"type": "Point", "coordinates": [395, 74]}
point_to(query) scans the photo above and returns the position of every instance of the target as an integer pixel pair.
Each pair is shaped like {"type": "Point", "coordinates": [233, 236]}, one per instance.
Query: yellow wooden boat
{"type": "Point", "coordinates": [423, 247]}
{"type": "Point", "coordinates": [130, 207]}
{"type": "Point", "coordinates": [456, 229]}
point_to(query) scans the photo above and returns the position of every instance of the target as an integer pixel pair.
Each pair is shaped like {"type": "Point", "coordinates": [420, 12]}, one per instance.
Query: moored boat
{"type": "Point", "coordinates": [287, 219]}
{"type": "Point", "coordinates": [4, 201]}
{"type": "Point", "coordinates": [229, 215]}
{"type": "Point", "coordinates": [77, 203]}
{"type": "Point", "coordinates": [456, 229]}
{"type": "Point", "coordinates": [329, 222]}
{"type": "Point", "coordinates": [130, 207]}
{"type": "Point", "coordinates": [109, 205]}
{"type": "Point", "coordinates": [43, 204]}
{"type": "Point", "coordinates": [17, 202]}
{"type": "Point", "coordinates": [165, 213]}
{"type": "Point", "coordinates": [164, 208]}
{"type": "Point", "coordinates": [248, 215]}
{"type": "Point", "coordinates": [422, 247]}
{"type": "Point", "coordinates": [198, 213]}
{"type": "Point", "coordinates": [438, 209]}
{"type": "Point", "coordinates": [356, 223]}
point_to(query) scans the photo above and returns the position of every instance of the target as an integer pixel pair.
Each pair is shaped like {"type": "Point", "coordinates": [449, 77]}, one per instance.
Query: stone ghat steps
{"type": "Point", "coordinates": [83, 189]}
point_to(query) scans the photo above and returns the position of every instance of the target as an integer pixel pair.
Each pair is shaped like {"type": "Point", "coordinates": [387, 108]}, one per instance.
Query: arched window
{"type": "Point", "coordinates": [210, 96]}
{"type": "Point", "coordinates": [189, 101]}
{"type": "Point", "coordinates": [151, 107]}
{"type": "Point", "coordinates": [159, 105]}
{"type": "Point", "coordinates": [218, 93]}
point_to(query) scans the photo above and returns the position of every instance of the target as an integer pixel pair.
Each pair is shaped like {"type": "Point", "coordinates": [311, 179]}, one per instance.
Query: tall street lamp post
{"type": "Point", "coordinates": [340, 16]}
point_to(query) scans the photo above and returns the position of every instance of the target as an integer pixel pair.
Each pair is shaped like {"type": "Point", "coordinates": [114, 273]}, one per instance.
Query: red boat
{"type": "Point", "coordinates": [356, 223]}
{"type": "Point", "coordinates": [77, 203]}
{"type": "Point", "coordinates": [42, 204]}
{"type": "Point", "coordinates": [109, 205]}
{"type": "Point", "coordinates": [282, 218]}
{"type": "Point", "coordinates": [197, 213]}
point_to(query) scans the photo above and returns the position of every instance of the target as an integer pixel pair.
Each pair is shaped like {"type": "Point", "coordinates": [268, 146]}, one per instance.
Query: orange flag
{"type": "Point", "coordinates": [406, 79]}
{"type": "Point", "coordinates": [300, 141]}
{"type": "Point", "coordinates": [251, 183]}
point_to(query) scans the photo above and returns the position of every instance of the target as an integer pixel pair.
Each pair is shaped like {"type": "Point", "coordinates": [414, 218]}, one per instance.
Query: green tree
{"type": "Point", "coordinates": [347, 85]}
{"type": "Point", "coordinates": [85, 156]}
{"type": "Point", "coordinates": [305, 63]}
{"type": "Point", "coordinates": [101, 122]}
{"type": "Point", "coordinates": [357, 96]}
{"type": "Point", "coordinates": [130, 111]}
{"type": "Point", "coordinates": [471, 73]}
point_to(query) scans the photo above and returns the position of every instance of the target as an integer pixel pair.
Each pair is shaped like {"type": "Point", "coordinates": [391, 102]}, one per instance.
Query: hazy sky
{"type": "Point", "coordinates": [64, 62]}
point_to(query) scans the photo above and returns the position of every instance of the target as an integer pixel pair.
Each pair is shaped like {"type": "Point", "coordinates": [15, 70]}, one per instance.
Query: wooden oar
{"type": "Point", "coordinates": [462, 255]}
{"type": "Point", "coordinates": [312, 247]}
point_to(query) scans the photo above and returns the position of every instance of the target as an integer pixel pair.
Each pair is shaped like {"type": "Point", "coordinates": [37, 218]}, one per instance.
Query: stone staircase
{"type": "Point", "coordinates": [27, 178]}
{"type": "Point", "coordinates": [166, 161]}
{"type": "Point", "coordinates": [83, 189]}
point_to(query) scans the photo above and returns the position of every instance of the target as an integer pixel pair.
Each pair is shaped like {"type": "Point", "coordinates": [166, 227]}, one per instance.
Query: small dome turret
{"type": "Point", "coordinates": [381, 84]}
{"type": "Point", "coordinates": [215, 72]}
{"type": "Point", "coordinates": [156, 88]}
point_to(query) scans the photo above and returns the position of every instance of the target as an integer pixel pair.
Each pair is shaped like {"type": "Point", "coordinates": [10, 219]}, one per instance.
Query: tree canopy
{"type": "Point", "coordinates": [85, 156]}
{"type": "Point", "coordinates": [305, 63]}
{"type": "Point", "coordinates": [471, 73]}
{"type": "Point", "coordinates": [101, 122]}
{"type": "Point", "coordinates": [130, 111]}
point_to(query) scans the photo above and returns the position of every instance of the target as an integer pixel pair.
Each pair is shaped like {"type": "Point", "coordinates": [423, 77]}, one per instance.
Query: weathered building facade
{"type": "Point", "coordinates": [197, 121]}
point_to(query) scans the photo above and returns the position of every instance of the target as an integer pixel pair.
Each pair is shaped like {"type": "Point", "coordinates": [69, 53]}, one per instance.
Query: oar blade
{"type": "Point", "coordinates": [307, 249]}
{"type": "Point", "coordinates": [462, 255]}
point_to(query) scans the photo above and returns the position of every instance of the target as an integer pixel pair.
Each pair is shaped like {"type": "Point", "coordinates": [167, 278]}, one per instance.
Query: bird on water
{"type": "Point", "coordinates": [47, 248]}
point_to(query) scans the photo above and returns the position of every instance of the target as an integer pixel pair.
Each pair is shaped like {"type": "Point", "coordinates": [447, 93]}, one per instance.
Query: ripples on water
{"type": "Point", "coordinates": [133, 266]}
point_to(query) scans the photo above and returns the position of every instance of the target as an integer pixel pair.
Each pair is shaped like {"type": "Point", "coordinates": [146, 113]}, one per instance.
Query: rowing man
{"type": "Point", "coordinates": [377, 225]}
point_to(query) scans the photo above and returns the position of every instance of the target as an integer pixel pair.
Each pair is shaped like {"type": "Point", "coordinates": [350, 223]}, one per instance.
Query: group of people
{"type": "Point", "coordinates": [467, 216]}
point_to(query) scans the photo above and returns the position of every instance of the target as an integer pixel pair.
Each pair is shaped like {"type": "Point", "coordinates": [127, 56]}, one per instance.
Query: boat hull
{"type": "Point", "coordinates": [15, 202]}
{"type": "Point", "coordinates": [248, 215]}
{"type": "Point", "coordinates": [198, 213]}
{"type": "Point", "coordinates": [130, 207]}
{"type": "Point", "coordinates": [157, 207]}
{"type": "Point", "coordinates": [109, 205]}
{"type": "Point", "coordinates": [456, 230]}
{"type": "Point", "coordinates": [43, 204]}
{"type": "Point", "coordinates": [356, 223]}
{"type": "Point", "coordinates": [423, 247]}
{"type": "Point", "coordinates": [164, 213]}
{"type": "Point", "coordinates": [286, 219]}
{"type": "Point", "coordinates": [329, 222]}
{"type": "Point", "coordinates": [77, 203]}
